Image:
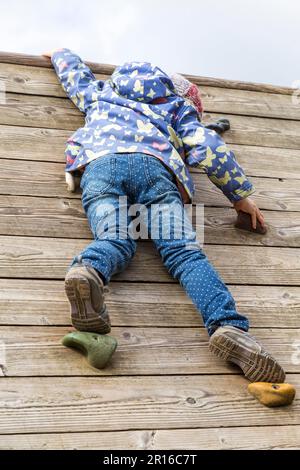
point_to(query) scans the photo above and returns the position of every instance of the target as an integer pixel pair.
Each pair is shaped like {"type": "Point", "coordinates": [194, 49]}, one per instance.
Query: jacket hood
{"type": "Point", "coordinates": [141, 81]}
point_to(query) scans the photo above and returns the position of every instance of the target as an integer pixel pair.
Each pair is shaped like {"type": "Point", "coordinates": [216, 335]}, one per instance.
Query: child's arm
{"type": "Point", "coordinates": [76, 78]}
{"type": "Point", "coordinates": [205, 149]}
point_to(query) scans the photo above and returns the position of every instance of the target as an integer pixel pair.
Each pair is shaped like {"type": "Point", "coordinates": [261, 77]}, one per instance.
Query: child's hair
{"type": "Point", "coordinates": [189, 91]}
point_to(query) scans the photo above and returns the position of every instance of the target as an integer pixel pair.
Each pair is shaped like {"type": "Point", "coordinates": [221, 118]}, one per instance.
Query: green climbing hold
{"type": "Point", "coordinates": [98, 348]}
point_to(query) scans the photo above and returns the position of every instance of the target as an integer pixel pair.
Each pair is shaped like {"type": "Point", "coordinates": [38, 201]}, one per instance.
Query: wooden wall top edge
{"type": "Point", "coordinates": [40, 61]}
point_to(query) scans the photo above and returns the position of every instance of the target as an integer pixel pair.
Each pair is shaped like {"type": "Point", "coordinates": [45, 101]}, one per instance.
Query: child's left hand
{"type": "Point", "coordinates": [249, 206]}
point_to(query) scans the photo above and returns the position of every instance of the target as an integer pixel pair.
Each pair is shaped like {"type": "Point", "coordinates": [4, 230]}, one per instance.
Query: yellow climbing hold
{"type": "Point", "coordinates": [271, 394]}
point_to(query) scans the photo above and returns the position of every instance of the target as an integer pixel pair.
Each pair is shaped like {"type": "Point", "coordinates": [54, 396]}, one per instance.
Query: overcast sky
{"type": "Point", "coordinates": [252, 40]}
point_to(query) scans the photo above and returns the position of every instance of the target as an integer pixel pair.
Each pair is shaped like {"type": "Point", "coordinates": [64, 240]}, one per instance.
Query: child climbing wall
{"type": "Point", "coordinates": [139, 138]}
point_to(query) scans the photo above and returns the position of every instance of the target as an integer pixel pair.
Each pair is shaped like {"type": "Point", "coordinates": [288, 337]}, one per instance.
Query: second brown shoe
{"type": "Point", "coordinates": [85, 291]}
{"type": "Point", "coordinates": [239, 347]}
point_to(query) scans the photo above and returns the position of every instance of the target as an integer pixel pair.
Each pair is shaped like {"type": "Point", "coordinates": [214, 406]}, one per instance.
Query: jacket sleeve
{"type": "Point", "coordinates": [76, 78]}
{"type": "Point", "coordinates": [204, 148]}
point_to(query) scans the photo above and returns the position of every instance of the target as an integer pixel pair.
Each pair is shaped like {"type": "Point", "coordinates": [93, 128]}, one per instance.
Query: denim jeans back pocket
{"type": "Point", "coordinates": [160, 179]}
{"type": "Point", "coordinates": [100, 178]}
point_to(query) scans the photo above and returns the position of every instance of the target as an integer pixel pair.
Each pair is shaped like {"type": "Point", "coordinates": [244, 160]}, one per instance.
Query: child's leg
{"type": "Point", "coordinates": [112, 249]}
{"type": "Point", "coordinates": [186, 262]}
{"type": "Point", "coordinates": [108, 254]}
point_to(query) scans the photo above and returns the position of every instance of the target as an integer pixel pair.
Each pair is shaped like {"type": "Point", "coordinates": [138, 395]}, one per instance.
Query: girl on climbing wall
{"type": "Point", "coordinates": [142, 131]}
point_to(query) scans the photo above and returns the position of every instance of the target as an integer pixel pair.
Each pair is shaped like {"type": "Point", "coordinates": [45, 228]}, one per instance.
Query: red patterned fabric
{"type": "Point", "coordinates": [194, 95]}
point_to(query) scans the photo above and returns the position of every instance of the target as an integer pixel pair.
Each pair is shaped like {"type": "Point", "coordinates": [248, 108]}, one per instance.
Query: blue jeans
{"type": "Point", "coordinates": [149, 185]}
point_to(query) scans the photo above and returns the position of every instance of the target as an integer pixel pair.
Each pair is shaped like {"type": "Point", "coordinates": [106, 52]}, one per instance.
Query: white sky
{"type": "Point", "coordinates": [252, 40]}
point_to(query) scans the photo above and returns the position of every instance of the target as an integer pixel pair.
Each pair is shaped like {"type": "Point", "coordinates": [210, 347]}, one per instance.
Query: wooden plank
{"type": "Point", "coordinates": [42, 111]}
{"type": "Point", "coordinates": [48, 180]}
{"type": "Point", "coordinates": [119, 404]}
{"type": "Point", "coordinates": [30, 80]}
{"type": "Point", "coordinates": [60, 113]}
{"type": "Point", "coordinates": [40, 61]}
{"type": "Point", "coordinates": [48, 145]}
{"type": "Point", "coordinates": [266, 437]}
{"type": "Point", "coordinates": [30, 143]}
{"type": "Point", "coordinates": [239, 85]}
{"type": "Point", "coordinates": [35, 216]}
{"type": "Point", "coordinates": [48, 258]}
{"type": "Point", "coordinates": [251, 438]}
{"type": "Point", "coordinates": [41, 81]}
{"type": "Point", "coordinates": [270, 193]}
{"type": "Point", "coordinates": [55, 217]}
{"type": "Point", "coordinates": [267, 161]}
{"type": "Point", "coordinates": [264, 132]}
{"type": "Point", "coordinates": [42, 302]}
{"type": "Point", "coordinates": [283, 228]}
{"type": "Point", "coordinates": [37, 351]}
{"type": "Point", "coordinates": [249, 103]}
{"type": "Point", "coordinates": [57, 404]}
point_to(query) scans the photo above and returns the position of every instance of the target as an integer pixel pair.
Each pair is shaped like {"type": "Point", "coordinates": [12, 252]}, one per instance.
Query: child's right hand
{"type": "Point", "coordinates": [249, 206]}
{"type": "Point", "coordinates": [50, 53]}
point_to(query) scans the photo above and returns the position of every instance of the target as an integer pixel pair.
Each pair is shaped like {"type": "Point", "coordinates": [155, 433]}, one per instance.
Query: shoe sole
{"type": "Point", "coordinates": [256, 367]}
{"type": "Point", "coordinates": [83, 315]}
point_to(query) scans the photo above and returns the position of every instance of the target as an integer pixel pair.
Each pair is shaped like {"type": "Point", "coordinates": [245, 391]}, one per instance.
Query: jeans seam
{"type": "Point", "coordinates": [130, 168]}
{"type": "Point", "coordinates": [133, 168]}
{"type": "Point", "coordinates": [147, 170]}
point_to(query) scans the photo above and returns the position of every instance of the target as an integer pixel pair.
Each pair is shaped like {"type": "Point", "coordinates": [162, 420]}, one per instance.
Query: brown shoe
{"type": "Point", "coordinates": [85, 291]}
{"type": "Point", "coordinates": [237, 346]}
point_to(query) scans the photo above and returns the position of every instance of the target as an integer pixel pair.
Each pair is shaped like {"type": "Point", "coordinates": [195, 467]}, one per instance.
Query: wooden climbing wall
{"type": "Point", "coordinates": [163, 388]}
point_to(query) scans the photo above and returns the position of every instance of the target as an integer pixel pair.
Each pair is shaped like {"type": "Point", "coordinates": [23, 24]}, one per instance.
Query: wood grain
{"type": "Point", "coordinates": [48, 180]}
{"type": "Point", "coordinates": [54, 404]}
{"type": "Point", "coordinates": [43, 82]}
{"type": "Point", "coordinates": [41, 258]}
{"type": "Point", "coordinates": [48, 145]}
{"type": "Point", "coordinates": [43, 302]}
{"type": "Point", "coordinates": [270, 193]}
{"type": "Point", "coordinates": [140, 351]}
{"type": "Point", "coordinates": [50, 397]}
{"type": "Point", "coordinates": [40, 61]}
{"type": "Point", "coordinates": [264, 132]}
{"type": "Point", "coordinates": [30, 143]}
{"type": "Point", "coordinates": [60, 113]}
{"type": "Point", "coordinates": [249, 103]}
{"type": "Point", "coordinates": [42, 111]}
{"type": "Point", "coordinates": [246, 438]}
{"type": "Point", "coordinates": [55, 217]}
